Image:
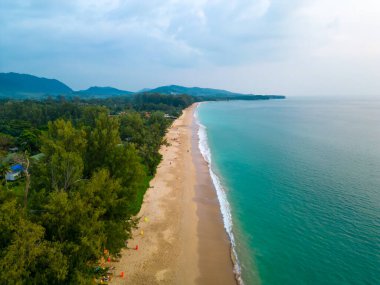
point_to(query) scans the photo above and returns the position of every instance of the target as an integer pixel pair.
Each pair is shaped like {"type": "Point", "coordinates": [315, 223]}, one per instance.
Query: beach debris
{"type": "Point", "coordinates": [146, 219]}
{"type": "Point", "coordinates": [122, 274]}
{"type": "Point", "coordinates": [137, 247]}
{"type": "Point", "coordinates": [109, 259]}
{"type": "Point", "coordinates": [142, 232]}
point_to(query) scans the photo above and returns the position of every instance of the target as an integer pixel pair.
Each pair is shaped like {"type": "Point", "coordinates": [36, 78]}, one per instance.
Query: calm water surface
{"type": "Point", "coordinates": [302, 177]}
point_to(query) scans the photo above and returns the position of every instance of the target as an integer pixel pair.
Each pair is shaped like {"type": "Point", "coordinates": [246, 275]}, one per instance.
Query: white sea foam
{"type": "Point", "coordinates": [221, 194]}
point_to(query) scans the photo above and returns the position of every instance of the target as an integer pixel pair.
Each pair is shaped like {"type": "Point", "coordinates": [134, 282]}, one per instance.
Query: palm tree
{"type": "Point", "coordinates": [27, 176]}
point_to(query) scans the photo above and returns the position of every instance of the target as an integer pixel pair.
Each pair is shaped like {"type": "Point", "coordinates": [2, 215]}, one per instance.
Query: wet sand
{"type": "Point", "coordinates": [180, 236]}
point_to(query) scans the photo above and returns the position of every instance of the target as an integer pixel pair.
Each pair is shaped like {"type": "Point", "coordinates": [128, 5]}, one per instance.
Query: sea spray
{"type": "Point", "coordinates": [221, 194]}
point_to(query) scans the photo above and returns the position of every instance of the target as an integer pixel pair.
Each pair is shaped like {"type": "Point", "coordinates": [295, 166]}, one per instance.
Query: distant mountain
{"type": "Point", "coordinates": [21, 86]}
{"type": "Point", "coordinates": [102, 92]}
{"type": "Point", "coordinates": [144, 90]}
{"type": "Point", "coordinates": [211, 94]}
{"type": "Point", "coordinates": [193, 91]}
{"type": "Point", "coordinates": [16, 85]}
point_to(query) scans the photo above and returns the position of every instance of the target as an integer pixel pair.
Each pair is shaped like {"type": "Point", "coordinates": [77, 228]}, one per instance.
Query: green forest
{"type": "Point", "coordinates": [84, 167]}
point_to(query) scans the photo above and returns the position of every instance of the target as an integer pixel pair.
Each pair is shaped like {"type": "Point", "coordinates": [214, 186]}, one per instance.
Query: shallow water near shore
{"type": "Point", "coordinates": [302, 181]}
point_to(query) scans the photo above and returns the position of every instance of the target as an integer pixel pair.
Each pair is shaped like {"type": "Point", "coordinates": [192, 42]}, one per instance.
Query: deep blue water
{"type": "Point", "coordinates": [302, 178]}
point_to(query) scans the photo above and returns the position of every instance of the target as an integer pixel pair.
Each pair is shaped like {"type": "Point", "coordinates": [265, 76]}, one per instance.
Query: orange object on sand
{"type": "Point", "coordinates": [137, 247]}
{"type": "Point", "coordinates": [122, 274]}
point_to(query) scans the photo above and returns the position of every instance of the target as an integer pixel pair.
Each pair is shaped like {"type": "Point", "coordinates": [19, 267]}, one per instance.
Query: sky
{"type": "Point", "coordinates": [290, 47]}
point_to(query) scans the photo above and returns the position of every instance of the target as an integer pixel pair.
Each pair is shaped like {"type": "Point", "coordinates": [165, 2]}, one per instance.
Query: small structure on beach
{"type": "Point", "coordinates": [15, 173]}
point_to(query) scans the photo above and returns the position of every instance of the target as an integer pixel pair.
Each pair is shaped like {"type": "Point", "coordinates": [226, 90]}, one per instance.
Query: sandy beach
{"type": "Point", "coordinates": [180, 236]}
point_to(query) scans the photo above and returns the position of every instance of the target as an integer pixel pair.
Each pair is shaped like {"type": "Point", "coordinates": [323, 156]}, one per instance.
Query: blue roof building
{"type": "Point", "coordinates": [15, 173]}
{"type": "Point", "coordinates": [17, 168]}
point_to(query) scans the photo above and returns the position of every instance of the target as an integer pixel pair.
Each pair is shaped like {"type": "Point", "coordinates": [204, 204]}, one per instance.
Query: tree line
{"type": "Point", "coordinates": [80, 197]}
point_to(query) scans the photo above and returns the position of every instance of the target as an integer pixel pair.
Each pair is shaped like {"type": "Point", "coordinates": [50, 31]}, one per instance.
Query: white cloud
{"type": "Point", "coordinates": [346, 28]}
{"type": "Point", "coordinates": [295, 46]}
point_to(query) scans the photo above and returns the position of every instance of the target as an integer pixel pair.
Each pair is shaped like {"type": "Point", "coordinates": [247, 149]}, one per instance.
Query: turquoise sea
{"type": "Point", "coordinates": [299, 187]}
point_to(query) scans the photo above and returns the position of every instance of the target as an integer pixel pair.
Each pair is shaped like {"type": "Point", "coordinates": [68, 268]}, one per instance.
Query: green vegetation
{"type": "Point", "coordinates": [80, 197]}
{"type": "Point", "coordinates": [102, 92]}
{"type": "Point", "coordinates": [209, 94]}
{"type": "Point", "coordinates": [85, 165]}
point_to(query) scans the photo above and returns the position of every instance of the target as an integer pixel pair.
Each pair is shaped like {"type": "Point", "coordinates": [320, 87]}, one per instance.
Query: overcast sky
{"type": "Point", "coordinates": [291, 47]}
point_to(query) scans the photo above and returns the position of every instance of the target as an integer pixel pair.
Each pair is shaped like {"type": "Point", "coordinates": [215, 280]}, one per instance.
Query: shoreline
{"type": "Point", "coordinates": [219, 190]}
{"type": "Point", "coordinates": [209, 206]}
{"type": "Point", "coordinates": [181, 237]}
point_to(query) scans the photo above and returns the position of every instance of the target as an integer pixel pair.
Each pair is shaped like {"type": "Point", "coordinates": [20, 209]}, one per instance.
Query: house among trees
{"type": "Point", "coordinates": [169, 117]}
{"type": "Point", "coordinates": [15, 173]}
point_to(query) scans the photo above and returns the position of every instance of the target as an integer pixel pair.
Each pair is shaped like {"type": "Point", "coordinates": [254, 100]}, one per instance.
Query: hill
{"type": "Point", "coordinates": [22, 86]}
{"type": "Point", "coordinates": [211, 94]}
{"type": "Point", "coordinates": [193, 91]}
{"type": "Point", "coordinates": [96, 91]}
{"type": "Point", "coordinates": [16, 85]}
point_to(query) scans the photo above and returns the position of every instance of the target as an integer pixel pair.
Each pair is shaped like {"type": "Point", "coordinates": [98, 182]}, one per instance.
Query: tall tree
{"type": "Point", "coordinates": [64, 147]}
{"type": "Point", "coordinates": [26, 257]}
{"type": "Point", "coordinates": [105, 194]}
{"type": "Point", "coordinates": [102, 140]}
{"type": "Point", "coordinates": [74, 224]}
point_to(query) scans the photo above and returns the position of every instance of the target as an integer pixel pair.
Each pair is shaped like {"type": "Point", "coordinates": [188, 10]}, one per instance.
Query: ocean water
{"type": "Point", "coordinates": [299, 185]}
